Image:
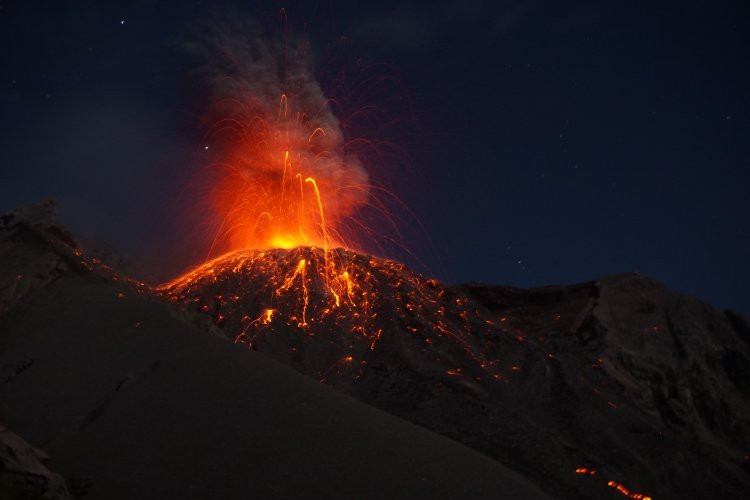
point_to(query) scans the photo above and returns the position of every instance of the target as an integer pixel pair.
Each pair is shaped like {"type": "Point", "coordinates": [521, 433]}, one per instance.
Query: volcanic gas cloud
{"type": "Point", "coordinates": [283, 177]}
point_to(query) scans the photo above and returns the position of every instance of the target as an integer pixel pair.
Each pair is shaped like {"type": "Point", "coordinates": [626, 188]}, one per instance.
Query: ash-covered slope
{"type": "Point", "coordinates": [132, 401]}
{"type": "Point", "coordinates": [647, 387]}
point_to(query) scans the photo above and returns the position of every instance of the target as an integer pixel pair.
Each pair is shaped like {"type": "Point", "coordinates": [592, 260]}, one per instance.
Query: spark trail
{"type": "Point", "coordinates": [283, 175]}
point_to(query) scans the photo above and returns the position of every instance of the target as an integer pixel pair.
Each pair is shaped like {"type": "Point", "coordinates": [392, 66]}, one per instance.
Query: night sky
{"type": "Point", "coordinates": [542, 142]}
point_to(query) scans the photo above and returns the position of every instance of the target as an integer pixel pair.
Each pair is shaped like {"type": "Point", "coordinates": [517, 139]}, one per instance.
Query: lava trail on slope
{"type": "Point", "coordinates": [332, 314]}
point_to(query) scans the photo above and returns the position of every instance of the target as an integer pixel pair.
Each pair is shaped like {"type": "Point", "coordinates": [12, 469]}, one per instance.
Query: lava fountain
{"type": "Point", "coordinates": [283, 176]}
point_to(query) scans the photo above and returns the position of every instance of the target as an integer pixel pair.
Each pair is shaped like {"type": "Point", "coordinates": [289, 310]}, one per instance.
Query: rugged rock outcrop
{"type": "Point", "coordinates": [34, 251]}
{"type": "Point", "coordinates": [24, 473]}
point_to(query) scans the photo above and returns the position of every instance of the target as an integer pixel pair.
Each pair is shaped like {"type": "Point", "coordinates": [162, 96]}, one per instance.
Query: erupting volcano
{"type": "Point", "coordinates": [279, 334]}
{"type": "Point", "coordinates": [285, 179]}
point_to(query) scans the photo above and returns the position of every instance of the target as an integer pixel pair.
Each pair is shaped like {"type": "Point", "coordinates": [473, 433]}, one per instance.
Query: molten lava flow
{"type": "Point", "coordinates": [622, 489]}
{"type": "Point", "coordinates": [585, 471]}
{"type": "Point", "coordinates": [614, 484]}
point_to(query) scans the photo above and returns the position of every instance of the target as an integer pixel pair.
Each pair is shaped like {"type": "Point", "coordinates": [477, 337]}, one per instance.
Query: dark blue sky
{"type": "Point", "coordinates": [545, 142]}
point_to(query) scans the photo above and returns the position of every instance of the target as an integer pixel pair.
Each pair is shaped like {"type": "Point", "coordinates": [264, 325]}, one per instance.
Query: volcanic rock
{"type": "Point", "coordinates": [23, 471]}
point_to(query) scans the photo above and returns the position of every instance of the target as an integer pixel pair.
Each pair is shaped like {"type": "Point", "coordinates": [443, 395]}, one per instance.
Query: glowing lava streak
{"type": "Point", "coordinates": [299, 271]}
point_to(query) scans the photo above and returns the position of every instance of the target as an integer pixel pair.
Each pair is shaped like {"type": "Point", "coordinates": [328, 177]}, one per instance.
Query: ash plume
{"type": "Point", "coordinates": [262, 103]}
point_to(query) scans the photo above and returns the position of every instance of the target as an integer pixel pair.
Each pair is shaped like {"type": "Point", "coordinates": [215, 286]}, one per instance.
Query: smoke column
{"type": "Point", "coordinates": [283, 176]}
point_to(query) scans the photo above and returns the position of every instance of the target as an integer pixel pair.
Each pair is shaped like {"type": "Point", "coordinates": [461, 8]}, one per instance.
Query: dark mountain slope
{"type": "Point", "coordinates": [620, 375]}
{"type": "Point", "coordinates": [132, 401]}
